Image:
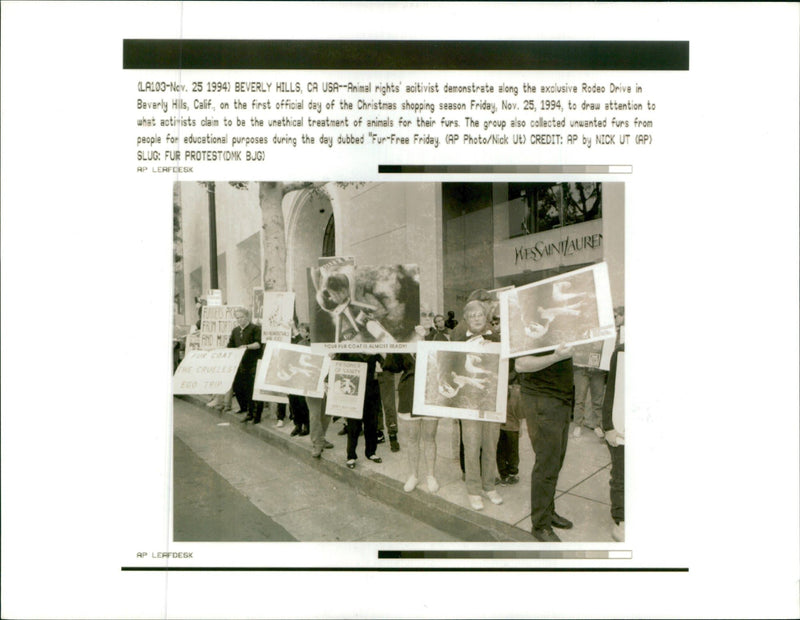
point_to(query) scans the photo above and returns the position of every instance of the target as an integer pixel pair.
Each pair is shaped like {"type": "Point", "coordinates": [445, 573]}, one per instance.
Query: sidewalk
{"type": "Point", "coordinates": [582, 491]}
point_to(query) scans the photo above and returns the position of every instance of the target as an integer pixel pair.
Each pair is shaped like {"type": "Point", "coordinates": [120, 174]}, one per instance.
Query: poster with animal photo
{"type": "Point", "coordinates": [571, 308]}
{"type": "Point", "coordinates": [266, 395]}
{"type": "Point", "coordinates": [276, 318]}
{"type": "Point", "coordinates": [346, 389]}
{"type": "Point", "coordinates": [331, 288]}
{"type": "Point", "coordinates": [467, 380]}
{"type": "Point", "coordinates": [594, 354]}
{"type": "Point", "coordinates": [374, 306]}
{"type": "Point", "coordinates": [292, 369]}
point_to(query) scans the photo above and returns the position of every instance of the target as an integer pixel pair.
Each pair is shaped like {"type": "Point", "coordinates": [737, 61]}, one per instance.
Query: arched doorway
{"type": "Point", "coordinates": [311, 234]}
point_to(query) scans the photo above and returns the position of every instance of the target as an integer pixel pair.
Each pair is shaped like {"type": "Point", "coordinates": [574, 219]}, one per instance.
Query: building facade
{"type": "Point", "coordinates": [463, 236]}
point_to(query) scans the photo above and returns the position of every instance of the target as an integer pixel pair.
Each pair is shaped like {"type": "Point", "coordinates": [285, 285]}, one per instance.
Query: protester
{"type": "Point", "coordinates": [297, 404]}
{"type": "Point", "coordinates": [479, 436]}
{"type": "Point", "coordinates": [451, 322]}
{"type": "Point", "coordinates": [369, 420]}
{"type": "Point", "coordinates": [438, 333]}
{"type": "Point", "coordinates": [589, 380]}
{"type": "Point", "coordinates": [246, 335]}
{"type": "Point", "coordinates": [387, 415]}
{"type": "Point", "coordinates": [546, 401]}
{"type": "Point", "coordinates": [418, 427]}
{"type": "Point", "coordinates": [614, 427]}
{"type": "Point", "coordinates": [508, 441]}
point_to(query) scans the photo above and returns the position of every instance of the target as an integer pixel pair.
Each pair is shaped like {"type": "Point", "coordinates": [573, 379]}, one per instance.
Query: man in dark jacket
{"type": "Point", "coordinates": [246, 335]}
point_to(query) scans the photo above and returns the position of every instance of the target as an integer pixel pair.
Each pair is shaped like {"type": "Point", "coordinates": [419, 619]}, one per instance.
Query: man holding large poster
{"type": "Point", "coordinates": [546, 401]}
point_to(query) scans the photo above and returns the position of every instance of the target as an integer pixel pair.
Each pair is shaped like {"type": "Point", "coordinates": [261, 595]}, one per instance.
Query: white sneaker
{"type": "Point", "coordinates": [577, 432]}
{"type": "Point", "coordinates": [618, 531]}
{"type": "Point", "coordinates": [410, 484]}
{"type": "Point", "coordinates": [433, 484]}
{"type": "Point", "coordinates": [599, 432]}
{"type": "Point", "coordinates": [494, 497]}
{"type": "Point", "coordinates": [279, 424]}
{"type": "Point", "coordinates": [476, 502]}
{"type": "Point", "coordinates": [212, 403]}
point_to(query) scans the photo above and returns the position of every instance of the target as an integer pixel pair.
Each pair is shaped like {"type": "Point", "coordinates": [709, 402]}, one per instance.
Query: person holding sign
{"type": "Point", "coordinates": [479, 436]}
{"type": "Point", "coordinates": [546, 401]}
{"type": "Point", "coordinates": [246, 335]}
{"type": "Point", "coordinates": [419, 426]}
{"type": "Point", "coordinates": [369, 420]}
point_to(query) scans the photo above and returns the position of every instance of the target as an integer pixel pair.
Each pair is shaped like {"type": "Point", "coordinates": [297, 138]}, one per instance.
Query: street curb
{"type": "Point", "coordinates": [468, 525]}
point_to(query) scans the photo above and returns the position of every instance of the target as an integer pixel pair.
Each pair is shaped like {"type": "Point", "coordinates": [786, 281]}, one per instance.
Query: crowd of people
{"type": "Point", "coordinates": [545, 390]}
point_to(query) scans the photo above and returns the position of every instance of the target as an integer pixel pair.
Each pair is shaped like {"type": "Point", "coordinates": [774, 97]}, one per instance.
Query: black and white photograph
{"type": "Point", "coordinates": [403, 170]}
{"type": "Point", "coordinates": [369, 264]}
{"type": "Point", "coordinates": [292, 369]}
{"type": "Point", "coordinates": [461, 380]}
{"type": "Point", "coordinates": [568, 309]}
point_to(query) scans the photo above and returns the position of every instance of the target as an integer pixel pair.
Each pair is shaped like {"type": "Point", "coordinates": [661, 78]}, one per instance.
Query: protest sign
{"type": "Point", "coordinates": [266, 395]}
{"type": "Point", "coordinates": [207, 372]}
{"type": "Point", "coordinates": [571, 308]}
{"type": "Point", "coordinates": [292, 369]}
{"type": "Point", "coordinates": [363, 307]}
{"type": "Point", "coordinates": [594, 354]}
{"type": "Point", "coordinates": [467, 380]}
{"type": "Point", "coordinates": [216, 326]}
{"type": "Point", "coordinates": [346, 388]}
{"type": "Point", "coordinates": [276, 317]}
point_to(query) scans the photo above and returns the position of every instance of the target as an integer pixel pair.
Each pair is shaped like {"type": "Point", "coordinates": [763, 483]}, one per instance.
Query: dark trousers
{"type": "Point", "coordinates": [617, 482]}
{"type": "Point", "coordinates": [299, 409]}
{"type": "Point", "coordinates": [281, 411]}
{"type": "Point", "coordinates": [508, 453]}
{"type": "Point", "coordinates": [388, 413]}
{"type": "Point", "coordinates": [372, 402]}
{"type": "Point", "coordinates": [243, 387]}
{"type": "Point", "coordinates": [547, 420]}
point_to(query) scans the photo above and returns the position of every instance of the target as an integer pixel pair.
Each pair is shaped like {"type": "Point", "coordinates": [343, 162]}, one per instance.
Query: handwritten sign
{"type": "Point", "coordinates": [207, 372]}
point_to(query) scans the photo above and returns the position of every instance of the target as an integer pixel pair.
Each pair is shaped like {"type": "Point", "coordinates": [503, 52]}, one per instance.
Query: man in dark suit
{"type": "Point", "coordinates": [246, 335]}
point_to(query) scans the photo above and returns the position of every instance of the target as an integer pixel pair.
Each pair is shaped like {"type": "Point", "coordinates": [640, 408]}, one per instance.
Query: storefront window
{"type": "Point", "coordinates": [537, 207]}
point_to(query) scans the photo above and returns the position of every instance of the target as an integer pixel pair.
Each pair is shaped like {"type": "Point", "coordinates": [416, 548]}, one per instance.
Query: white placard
{"type": "Point", "coordinates": [266, 395]}
{"type": "Point", "coordinates": [207, 372]}
{"type": "Point", "coordinates": [347, 385]}
{"type": "Point", "coordinates": [292, 369]}
{"type": "Point", "coordinates": [571, 308]}
{"type": "Point", "coordinates": [594, 354]}
{"type": "Point", "coordinates": [467, 380]}
{"type": "Point", "coordinates": [276, 318]}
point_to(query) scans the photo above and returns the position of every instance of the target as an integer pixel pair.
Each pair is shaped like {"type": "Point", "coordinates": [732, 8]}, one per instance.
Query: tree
{"type": "Point", "coordinates": [270, 200]}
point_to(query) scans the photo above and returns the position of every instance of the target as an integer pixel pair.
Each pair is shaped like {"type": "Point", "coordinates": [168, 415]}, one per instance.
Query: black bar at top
{"type": "Point", "coordinates": [406, 55]}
